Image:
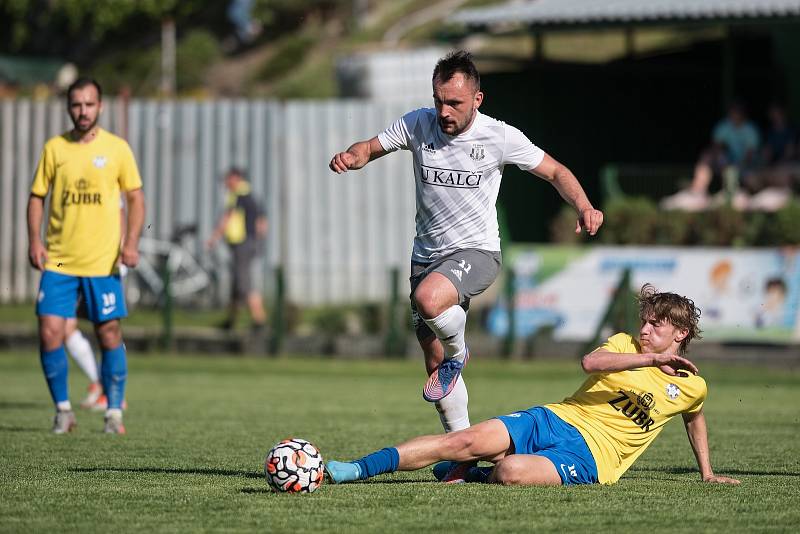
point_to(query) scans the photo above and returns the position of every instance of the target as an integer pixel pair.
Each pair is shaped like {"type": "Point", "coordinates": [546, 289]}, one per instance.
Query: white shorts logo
{"type": "Point", "coordinates": [514, 415]}
{"type": "Point", "coordinates": [40, 297]}
{"type": "Point", "coordinates": [465, 267]}
{"type": "Point", "coordinates": [571, 469]}
{"type": "Point", "coordinates": [109, 303]}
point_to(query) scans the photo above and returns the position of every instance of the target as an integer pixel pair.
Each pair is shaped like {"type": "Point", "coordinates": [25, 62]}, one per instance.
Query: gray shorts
{"type": "Point", "coordinates": [241, 267]}
{"type": "Point", "coordinates": [470, 270]}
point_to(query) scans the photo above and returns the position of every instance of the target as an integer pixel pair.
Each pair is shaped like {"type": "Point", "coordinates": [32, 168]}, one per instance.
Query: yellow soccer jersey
{"type": "Point", "coordinates": [236, 229]}
{"type": "Point", "coordinates": [83, 228]}
{"type": "Point", "coordinates": [619, 414]}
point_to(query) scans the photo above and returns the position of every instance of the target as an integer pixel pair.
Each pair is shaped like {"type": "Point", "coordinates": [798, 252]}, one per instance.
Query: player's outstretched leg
{"type": "Point", "coordinates": [488, 440]}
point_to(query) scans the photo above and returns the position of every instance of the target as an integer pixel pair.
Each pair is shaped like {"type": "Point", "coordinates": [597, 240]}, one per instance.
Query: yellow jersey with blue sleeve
{"type": "Point", "coordinates": [619, 414]}
{"type": "Point", "coordinates": [85, 179]}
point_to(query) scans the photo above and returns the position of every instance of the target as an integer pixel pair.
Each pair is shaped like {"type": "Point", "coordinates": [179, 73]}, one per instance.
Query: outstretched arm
{"type": "Point", "coordinates": [570, 190]}
{"type": "Point", "coordinates": [358, 155]}
{"type": "Point", "coordinates": [601, 361]}
{"type": "Point", "coordinates": [697, 431]}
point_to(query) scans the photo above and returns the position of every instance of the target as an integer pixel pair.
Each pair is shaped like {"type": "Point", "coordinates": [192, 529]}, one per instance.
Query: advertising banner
{"type": "Point", "coordinates": [744, 294]}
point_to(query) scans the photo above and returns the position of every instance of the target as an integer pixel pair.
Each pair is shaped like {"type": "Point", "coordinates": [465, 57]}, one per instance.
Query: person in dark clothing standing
{"type": "Point", "coordinates": [244, 227]}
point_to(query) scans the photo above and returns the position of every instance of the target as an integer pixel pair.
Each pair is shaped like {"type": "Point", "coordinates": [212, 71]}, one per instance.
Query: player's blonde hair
{"type": "Point", "coordinates": [679, 311]}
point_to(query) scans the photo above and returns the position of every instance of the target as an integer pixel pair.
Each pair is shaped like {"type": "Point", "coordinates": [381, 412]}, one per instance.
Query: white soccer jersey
{"type": "Point", "coordinates": [458, 178]}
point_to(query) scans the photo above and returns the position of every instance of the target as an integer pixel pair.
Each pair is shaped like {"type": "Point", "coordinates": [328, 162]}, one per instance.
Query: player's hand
{"type": "Point", "coordinates": [673, 364]}
{"type": "Point", "coordinates": [590, 219]}
{"type": "Point", "coordinates": [342, 162]}
{"type": "Point", "coordinates": [716, 479]}
{"type": "Point", "coordinates": [37, 255]}
{"type": "Point", "coordinates": [129, 256]}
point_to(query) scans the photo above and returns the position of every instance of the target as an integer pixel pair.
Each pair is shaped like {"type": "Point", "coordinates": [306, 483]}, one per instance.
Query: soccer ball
{"type": "Point", "coordinates": [294, 466]}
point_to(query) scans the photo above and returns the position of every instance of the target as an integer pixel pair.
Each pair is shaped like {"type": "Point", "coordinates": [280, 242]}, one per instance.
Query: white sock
{"type": "Point", "coordinates": [453, 410]}
{"type": "Point", "coordinates": [449, 328]}
{"type": "Point", "coordinates": [81, 351]}
{"type": "Point", "coordinates": [64, 406]}
{"type": "Point", "coordinates": [114, 412]}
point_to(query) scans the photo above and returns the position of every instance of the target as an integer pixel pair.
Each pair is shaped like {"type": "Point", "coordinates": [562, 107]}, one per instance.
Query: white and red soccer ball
{"type": "Point", "coordinates": [294, 466]}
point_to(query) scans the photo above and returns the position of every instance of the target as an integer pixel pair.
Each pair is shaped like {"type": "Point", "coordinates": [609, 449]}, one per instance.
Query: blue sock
{"type": "Point", "coordinates": [113, 373]}
{"type": "Point", "coordinates": [382, 461]}
{"type": "Point", "coordinates": [54, 364]}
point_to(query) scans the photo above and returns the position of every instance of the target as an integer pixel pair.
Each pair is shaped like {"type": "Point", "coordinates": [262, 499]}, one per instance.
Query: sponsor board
{"type": "Point", "coordinates": [744, 294]}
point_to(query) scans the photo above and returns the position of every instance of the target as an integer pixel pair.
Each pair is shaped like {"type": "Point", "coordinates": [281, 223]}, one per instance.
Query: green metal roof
{"type": "Point", "coordinates": [616, 12]}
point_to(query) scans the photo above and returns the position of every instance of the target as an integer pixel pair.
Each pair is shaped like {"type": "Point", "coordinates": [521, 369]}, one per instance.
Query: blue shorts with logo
{"type": "Point", "coordinates": [539, 431]}
{"type": "Point", "coordinates": [100, 297]}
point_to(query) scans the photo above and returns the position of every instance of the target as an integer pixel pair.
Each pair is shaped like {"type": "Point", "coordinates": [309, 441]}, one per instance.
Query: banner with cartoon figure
{"type": "Point", "coordinates": [744, 294]}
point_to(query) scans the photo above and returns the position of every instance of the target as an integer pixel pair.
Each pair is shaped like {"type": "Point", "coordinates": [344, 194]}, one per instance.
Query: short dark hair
{"type": "Point", "coordinates": [679, 311]}
{"type": "Point", "coordinates": [237, 171]}
{"type": "Point", "coordinates": [80, 83]}
{"type": "Point", "coordinates": [458, 61]}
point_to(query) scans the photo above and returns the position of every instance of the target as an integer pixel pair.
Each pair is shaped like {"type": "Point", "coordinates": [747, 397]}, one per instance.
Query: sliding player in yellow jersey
{"type": "Point", "coordinates": [636, 385]}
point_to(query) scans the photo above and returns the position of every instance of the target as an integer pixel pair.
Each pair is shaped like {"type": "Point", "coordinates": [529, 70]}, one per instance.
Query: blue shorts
{"type": "Point", "coordinates": [539, 431]}
{"type": "Point", "coordinates": [102, 296]}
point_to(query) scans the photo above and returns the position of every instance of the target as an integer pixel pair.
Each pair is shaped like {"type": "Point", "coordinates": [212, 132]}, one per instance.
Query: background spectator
{"type": "Point", "coordinates": [734, 148]}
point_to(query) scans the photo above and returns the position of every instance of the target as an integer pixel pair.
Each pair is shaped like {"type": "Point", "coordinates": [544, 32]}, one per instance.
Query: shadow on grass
{"type": "Point", "coordinates": [389, 482]}
{"type": "Point", "coordinates": [16, 405]}
{"type": "Point", "coordinates": [401, 481]}
{"type": "Point", "coordinates": [362, 482]}
{"type": "Point", "coordinates": [4, 428]}
{"type": "Point", "coordinates": [170, 471]}
{"type": "Point", "coordinates": [256, 490]}
{"type": "Point", "coordinates": [722, 472]}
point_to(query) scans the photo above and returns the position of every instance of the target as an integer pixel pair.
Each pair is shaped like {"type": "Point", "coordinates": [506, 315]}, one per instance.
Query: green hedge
{"type": "Point", "coordinates": [639, 221]}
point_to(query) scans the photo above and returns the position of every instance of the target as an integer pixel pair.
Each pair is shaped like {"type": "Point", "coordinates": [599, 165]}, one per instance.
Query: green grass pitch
{"type": "Point", "coordinates": [198, 430]}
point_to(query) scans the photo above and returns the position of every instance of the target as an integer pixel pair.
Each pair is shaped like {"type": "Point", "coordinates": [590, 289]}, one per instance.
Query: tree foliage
{"type": "Point", "coordinates": [80, 30]}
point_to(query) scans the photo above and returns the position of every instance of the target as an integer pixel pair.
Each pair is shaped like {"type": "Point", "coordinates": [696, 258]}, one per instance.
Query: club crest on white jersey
{"type": "Point", "coordinates": [477, 153]}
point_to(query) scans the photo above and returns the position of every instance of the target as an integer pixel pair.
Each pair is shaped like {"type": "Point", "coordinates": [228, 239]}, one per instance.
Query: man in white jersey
{"type": "Point", "coordinates": [459, 155]}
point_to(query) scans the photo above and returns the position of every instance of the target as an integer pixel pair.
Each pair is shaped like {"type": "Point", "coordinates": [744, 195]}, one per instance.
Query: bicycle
{"type": "Point", "coordinates": [187, 277]}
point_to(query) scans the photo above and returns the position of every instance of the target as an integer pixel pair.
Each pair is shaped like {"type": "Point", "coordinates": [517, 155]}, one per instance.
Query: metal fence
{"type": "Point", "coordinates": [336, 237]}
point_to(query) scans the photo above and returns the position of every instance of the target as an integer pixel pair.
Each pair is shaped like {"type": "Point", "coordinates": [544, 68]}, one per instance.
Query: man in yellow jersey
{"type": "Point", "coordinates": [244, 227]}
{"type": "Point", "coordinates": [84, 171]}
{"type": "Point", "coordinates": [635, 387]}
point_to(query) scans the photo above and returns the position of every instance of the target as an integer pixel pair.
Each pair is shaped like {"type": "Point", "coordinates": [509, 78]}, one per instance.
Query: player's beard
{"type": "Point", "coordinates": [459, 127]}
{"type": "Point", "coordinates": [82, 128]}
